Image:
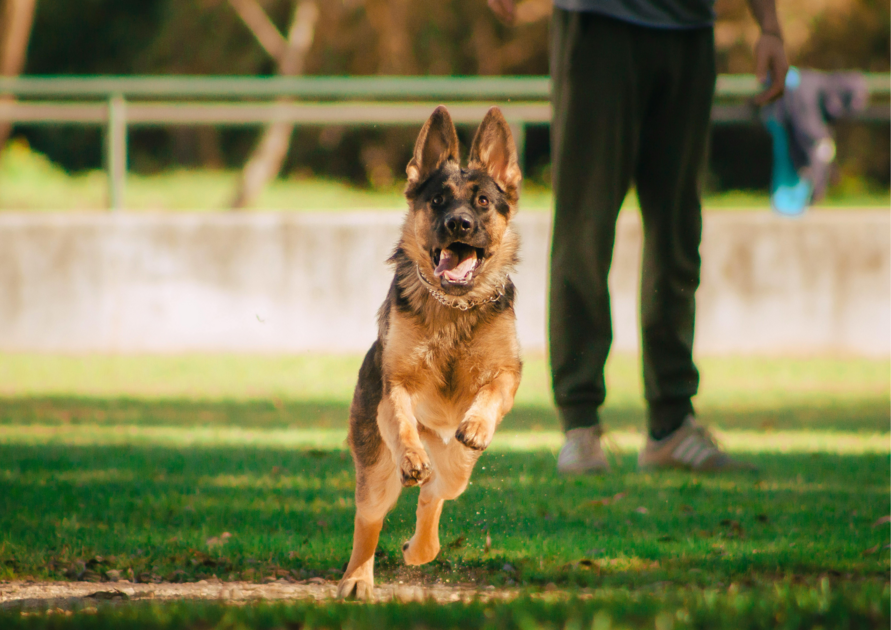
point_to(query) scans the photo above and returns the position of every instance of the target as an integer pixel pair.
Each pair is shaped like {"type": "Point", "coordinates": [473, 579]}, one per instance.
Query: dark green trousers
{"type": "Point", "coordinates": [631, 104]}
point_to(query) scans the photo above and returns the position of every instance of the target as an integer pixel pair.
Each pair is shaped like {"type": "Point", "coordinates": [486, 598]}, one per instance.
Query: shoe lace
{"type": "Point", "coordinates": [613, 451]}
{"type": "Point", "coordinates": [709, 437]}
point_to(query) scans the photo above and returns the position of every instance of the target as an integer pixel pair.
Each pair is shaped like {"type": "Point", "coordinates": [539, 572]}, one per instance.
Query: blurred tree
{"type": "Point", "coordinates": [15, 30]}
{"type": "Point", "coordinates": [854, 34]}
{"type": "Point", "coordinates": [821, 34]}
{"type": "Point", "coordinates": [266, 160]}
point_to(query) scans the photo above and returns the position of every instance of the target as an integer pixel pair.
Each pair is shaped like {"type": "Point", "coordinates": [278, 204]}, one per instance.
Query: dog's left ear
{"type": "Point", "coordinates": [493, 151]}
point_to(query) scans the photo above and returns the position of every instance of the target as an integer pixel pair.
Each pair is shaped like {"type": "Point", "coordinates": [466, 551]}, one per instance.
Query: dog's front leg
{"type": "Point", "coordinates": [491, 404]}
{"type": "Point", "coordinates": [399, 428]}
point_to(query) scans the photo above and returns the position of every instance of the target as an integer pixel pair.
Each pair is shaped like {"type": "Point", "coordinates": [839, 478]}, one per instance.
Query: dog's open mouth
{"type": "Point", "coordinates": [456, 263]}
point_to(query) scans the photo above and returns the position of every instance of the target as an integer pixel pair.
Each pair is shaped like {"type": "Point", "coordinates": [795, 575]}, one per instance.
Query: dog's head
{"type": "Point", "coordinates": [457, 230]}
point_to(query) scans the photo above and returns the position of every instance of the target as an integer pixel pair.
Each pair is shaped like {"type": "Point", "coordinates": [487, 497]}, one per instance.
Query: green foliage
{"type": "Point", "coordinates": [32, 182]}
{"type": "Point", "coordinates": [281, 392]}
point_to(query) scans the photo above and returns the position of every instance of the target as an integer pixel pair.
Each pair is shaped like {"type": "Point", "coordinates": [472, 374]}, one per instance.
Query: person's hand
{"type": "Point", "coordinates": [770, 60]}
{"type": "Point", "coordinates": [504, 10]}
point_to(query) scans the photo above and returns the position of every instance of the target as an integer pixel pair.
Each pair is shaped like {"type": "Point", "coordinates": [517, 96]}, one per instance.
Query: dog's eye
{"type": "Point", "coordinates": [482, 200]}
{"type": "Point", "coordinates": [438, 200]}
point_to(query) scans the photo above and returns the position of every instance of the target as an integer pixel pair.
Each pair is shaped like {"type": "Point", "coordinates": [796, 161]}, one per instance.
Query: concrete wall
{"type": "Point", "coordinates": [278, 282]}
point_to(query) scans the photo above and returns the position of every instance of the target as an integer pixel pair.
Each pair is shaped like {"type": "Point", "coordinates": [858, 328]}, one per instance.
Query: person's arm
{"type": "Point", "coordinates": [770, 54]}
{"type": "Point", "coordinates": [504, 10]}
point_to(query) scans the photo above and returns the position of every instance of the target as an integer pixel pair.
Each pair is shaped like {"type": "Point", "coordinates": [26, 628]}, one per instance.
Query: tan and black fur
{"type": "Point", "coordinates": [445, 367]}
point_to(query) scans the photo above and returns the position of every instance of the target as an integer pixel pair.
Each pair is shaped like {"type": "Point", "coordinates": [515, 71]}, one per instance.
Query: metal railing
{"type": "Point", "coordinates": [118, 103]}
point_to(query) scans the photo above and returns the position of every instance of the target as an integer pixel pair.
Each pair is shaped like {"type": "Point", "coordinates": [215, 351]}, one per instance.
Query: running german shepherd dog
{"type": "Point", "coordinates": [445, 367]}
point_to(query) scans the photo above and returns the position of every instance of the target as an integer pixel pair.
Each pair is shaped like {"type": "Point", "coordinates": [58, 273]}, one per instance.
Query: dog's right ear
{"type": "Point", "coordinates": [436, 144]}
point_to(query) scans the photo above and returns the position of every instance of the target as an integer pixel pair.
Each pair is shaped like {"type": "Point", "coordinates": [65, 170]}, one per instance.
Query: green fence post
{"type": "Point", "coordinates": [518, 131]}
{"type": "Point", "coordinates": [116, 151]}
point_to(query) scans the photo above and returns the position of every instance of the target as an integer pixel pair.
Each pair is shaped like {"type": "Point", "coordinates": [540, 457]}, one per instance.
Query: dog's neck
{"type": "Point", "coordinates": [459, 303]}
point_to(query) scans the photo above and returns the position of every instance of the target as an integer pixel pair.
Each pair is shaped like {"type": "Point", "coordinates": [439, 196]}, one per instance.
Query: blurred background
{"type": "Point", "coordinates": [311, 280]}
{"type": "Point", "coordinates": [397, 37]}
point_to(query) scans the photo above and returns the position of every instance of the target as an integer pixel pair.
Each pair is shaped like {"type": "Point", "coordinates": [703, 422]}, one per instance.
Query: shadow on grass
{"type": "Point", "coordinates": [158, 513]}
{"type": "Point", "coordinates": [868, 414]}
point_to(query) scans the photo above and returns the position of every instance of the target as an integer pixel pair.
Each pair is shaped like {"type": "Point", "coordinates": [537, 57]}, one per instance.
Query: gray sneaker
{"type": "Point", "coordinates": [581, 453]}
{"type": "Point", "coordinates": [690, 447]}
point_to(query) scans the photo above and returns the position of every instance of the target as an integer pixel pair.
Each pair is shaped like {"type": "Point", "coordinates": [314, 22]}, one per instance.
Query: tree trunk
{"type": "Point", "coordinates": [210, 155]}
{"type": "Point", "coordinates": [15, 31]}
{"type": "Point", "coordinates": [266, 160]}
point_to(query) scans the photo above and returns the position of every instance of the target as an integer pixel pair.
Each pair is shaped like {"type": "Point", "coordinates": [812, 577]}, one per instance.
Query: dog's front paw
{"type": "Point", "coordinates": [415, 468]}
{"type": "Point", "coordinates": [419, 550]}
{"type": "Point", "coordinates": [355, 587]}
{"type": "Point", "coordinates": [474, 433]}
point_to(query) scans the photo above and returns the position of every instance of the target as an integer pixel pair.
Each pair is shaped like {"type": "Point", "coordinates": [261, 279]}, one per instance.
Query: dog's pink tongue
{"type": "Point", "coordinates": [452, 267]}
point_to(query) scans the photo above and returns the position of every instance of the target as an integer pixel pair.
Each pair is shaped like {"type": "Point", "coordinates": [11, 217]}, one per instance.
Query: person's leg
{"type": "Point", "coordinates": [594, 138]}
{"type": "Point", "coordinates": [668, 176]}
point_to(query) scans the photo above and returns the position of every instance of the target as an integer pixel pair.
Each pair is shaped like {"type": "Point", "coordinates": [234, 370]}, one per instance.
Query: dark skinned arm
{"type": "Point", "coordinates": [770, 53]}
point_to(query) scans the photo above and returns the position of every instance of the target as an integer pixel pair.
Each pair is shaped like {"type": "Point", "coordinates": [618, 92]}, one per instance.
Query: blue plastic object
{"type": "Point", "coordinates": [790, 194]}
{"type": "Point", "coordinates": [793, 78]}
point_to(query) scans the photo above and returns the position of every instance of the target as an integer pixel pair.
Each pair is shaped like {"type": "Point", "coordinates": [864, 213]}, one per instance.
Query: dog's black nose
{"type": "Point", "coordinates": [460, 224]}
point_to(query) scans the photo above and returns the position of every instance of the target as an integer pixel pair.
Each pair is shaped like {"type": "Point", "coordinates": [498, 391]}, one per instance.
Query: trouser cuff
{"type": "Point", "coordinates": [579, 416]}
{"type": "Point", "coordinates": [667, 415]}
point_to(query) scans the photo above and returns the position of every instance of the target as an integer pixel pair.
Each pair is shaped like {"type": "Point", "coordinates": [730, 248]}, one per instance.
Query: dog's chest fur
{"type": "Point", "coordinates": [444, 365]}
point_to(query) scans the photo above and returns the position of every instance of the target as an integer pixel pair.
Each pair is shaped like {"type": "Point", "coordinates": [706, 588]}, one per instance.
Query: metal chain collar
{"type": "Point", "coordinates": [461, 305]}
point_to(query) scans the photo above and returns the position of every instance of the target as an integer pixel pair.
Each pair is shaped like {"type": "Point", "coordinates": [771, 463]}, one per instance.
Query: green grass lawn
{"type": "Point", "coordinates": [137, 464]}
{"type": "Point", "coordinates": [29, 181]}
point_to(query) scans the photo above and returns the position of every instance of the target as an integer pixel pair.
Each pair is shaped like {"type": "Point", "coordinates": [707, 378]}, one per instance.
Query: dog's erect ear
{"type": "Point", "coordinates": [436, 144]}
{"type": "Point", "coordinates": [493, 151]}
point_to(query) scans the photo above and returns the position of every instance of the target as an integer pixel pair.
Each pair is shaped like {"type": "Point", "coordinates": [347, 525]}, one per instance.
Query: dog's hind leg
{"type": "Point", "coordinates": [377, 488]}
{"type": "Point", "coordinates": [377, 480]}
{"type": "Point", "coordinates": [452, 465]}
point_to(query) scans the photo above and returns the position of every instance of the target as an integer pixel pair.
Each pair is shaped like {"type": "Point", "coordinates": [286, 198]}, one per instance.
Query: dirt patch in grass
{"type": "Point", "coordinates": [39, 596]}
